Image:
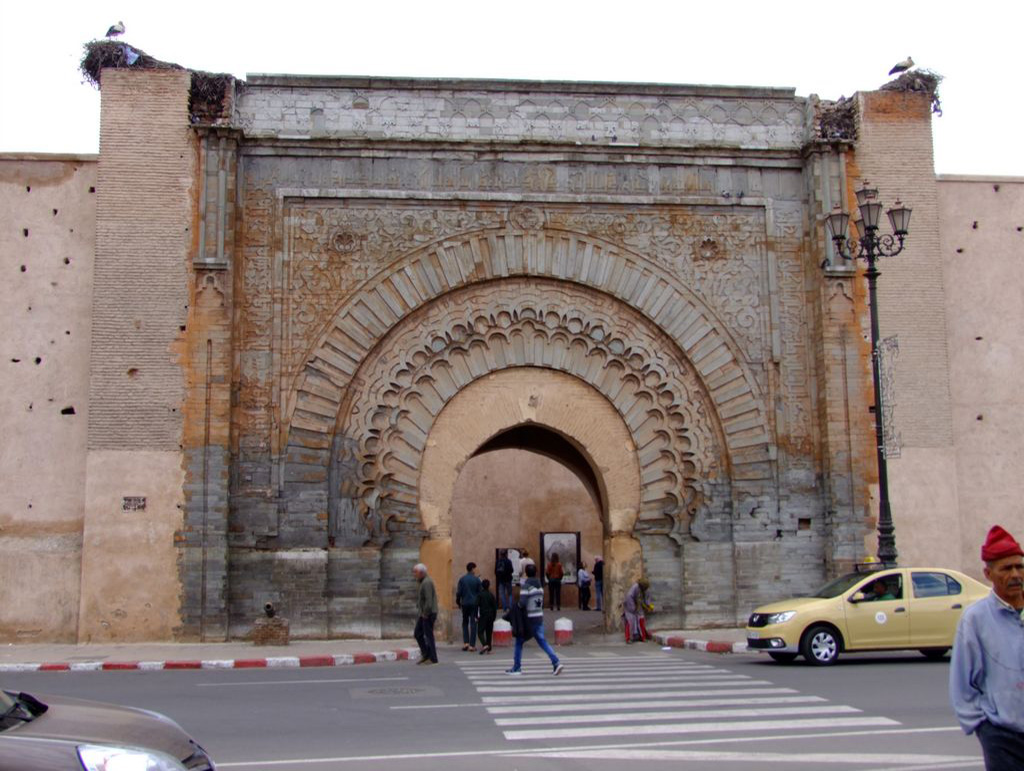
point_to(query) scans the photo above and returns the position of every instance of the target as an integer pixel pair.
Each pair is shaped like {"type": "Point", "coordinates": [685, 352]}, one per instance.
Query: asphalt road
{"type": "Point", "coordinates": [675, 709]}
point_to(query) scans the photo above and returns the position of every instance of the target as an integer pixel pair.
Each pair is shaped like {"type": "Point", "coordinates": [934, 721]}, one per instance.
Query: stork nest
{"type": "Point", "coordinates": [207, 99]}
{"type": "Point", "coordinates": [920, 81]}
{"type": "Point", "coordinates": [837, 120]}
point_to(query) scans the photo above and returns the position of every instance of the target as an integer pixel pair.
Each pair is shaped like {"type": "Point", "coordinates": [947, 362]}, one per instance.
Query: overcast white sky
{"type": "Point", "coordinates": [827, 48]}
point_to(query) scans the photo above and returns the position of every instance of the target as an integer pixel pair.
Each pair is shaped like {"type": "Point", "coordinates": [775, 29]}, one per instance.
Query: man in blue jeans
{"type": "Point", "coordinates": [531, 600]}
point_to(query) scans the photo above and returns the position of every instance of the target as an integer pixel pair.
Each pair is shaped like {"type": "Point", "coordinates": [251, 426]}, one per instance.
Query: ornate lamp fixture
{"type": "Point", "coordinates": [869, 246]}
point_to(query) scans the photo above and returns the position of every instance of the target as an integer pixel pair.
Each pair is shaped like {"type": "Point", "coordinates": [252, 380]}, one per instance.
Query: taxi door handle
{"type": "Point", "coordinates": [900, 609]}
{"type": "Point", "coordinates": [957, 606]}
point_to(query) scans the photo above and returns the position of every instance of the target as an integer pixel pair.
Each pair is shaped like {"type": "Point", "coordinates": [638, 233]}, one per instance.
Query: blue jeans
{"type": "Point", "coordinates": [1003, 749]}
{"type": "Point", "coordinates": [505, 596]}
{"type": "Point", "coordinates": [598, 592]}
{"type": "Point", "coordinates": [469, 626]}
{"type": "Point", "coordinates": [537, 628]}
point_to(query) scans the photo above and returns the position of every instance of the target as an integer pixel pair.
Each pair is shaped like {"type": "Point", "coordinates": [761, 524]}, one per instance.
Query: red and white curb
{"type": "Point", "coordinates": [341, 660]}
{"type": "Point", "coordinates": [711, 646]}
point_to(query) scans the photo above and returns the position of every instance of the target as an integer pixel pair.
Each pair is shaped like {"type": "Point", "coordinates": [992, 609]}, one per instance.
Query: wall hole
{"type": "Point", "coordinates": [959, 251]}
{"type": "Point", "coordinates": [92, 190]}
{"type": "Point", "coordinates": [54, 212]}
{"type": "Point", "coordinates": [67, 331]}
{"type": "Point", "coordinates": [980, 417]}
{"type": "Point", "coordinates": [28, 188]}
{"type": "Point", "coordinates": [67, 260]}
{"type": "Point", "coordinates": [804, 523]}
{"type": "Point", "coordinates": [23, 268]}
{"type": "Point", "coordinates": [24, 232]}
{"type": "Point", "coordinates": [133, 372]}
{"type": "Point", "coordinates": [16, 361]}
{"type": "Point", "coordinates": [39, 359]}
{"type": "Point", "coordinates": [975, 225]}
{"type": "Point", "coordinates": [979, 338]}
{"type": "Point", "coordinates": [68, 411]}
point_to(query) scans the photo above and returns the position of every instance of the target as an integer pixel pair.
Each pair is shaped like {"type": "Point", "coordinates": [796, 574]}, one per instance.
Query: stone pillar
{"type": "Point", "coordinates": [894, 153]}
{"type": "Point", "coordinates": [623, 565]}
{"type": "Point", "coordinates": [145, 212]}
{"type": "Point", "coordinates": [209, 365]}
{"type": "Point", "coordinates": [436, 554]}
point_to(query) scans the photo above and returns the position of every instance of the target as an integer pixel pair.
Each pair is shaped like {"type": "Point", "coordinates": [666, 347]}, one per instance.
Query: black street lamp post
{"type": "Point", "coordinates": [869, 246]}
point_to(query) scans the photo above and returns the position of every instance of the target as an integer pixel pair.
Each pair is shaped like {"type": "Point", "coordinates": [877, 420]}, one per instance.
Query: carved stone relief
{"type": "Point", "coordinates": [719, 256]}
{"type": "Point", "coordinates": [333, 249]}
{"type": "Point", "coordinates": [400, 390]}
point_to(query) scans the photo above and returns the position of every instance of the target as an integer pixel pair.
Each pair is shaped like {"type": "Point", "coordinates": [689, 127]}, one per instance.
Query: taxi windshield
{"type": "Point", "coordinates": [837, 586]}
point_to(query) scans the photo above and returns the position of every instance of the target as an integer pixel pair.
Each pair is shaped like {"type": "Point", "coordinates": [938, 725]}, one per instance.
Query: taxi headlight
{"type": "Point", "coordinates": [779, 618]}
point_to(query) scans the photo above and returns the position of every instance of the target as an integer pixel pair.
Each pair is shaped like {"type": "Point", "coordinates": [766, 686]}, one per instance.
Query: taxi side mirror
{"type": "Point", "coordinates": [857, 597]}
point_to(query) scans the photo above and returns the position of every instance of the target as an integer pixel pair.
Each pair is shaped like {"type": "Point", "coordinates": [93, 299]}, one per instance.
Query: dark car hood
{"type": "Point", "coordinates": [93, 722]}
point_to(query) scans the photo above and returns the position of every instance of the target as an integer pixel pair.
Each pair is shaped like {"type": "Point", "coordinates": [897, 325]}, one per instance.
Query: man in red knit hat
{"type": "Point", "coordinates": [986, 675]}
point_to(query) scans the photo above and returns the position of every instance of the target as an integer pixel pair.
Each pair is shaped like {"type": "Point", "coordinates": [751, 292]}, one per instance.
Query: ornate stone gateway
{"type": "Point", "coordinates": [404, 271]}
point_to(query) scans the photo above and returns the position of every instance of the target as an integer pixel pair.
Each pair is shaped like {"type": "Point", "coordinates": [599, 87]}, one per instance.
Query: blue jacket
{"type": "Point", "coordinates": [465, 595]}
{"type": "Point", "coordinates": [986, 674]}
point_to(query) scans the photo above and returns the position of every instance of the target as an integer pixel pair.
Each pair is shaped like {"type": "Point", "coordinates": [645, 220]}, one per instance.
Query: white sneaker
{"type": "Point", "coordinates": [557, 670]}
{"type": "Point", "coordinates": [513, 671]}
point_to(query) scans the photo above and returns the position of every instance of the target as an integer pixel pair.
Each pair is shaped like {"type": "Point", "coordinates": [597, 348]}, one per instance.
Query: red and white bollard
{"type": "Point", "coordinates": [502, 634]}
{"type": "Point", "coordinates": [563, 631]}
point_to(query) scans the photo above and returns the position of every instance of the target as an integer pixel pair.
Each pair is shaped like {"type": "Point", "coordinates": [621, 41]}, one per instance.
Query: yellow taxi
{"type": "Point", "coordinates": [884, 609]}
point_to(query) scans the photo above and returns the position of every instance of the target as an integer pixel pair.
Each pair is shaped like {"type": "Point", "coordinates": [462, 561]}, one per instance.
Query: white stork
{"type": "Point", "coordinates": [903, 66]}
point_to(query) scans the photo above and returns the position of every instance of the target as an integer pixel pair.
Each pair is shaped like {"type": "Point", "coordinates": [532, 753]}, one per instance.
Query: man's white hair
{"type": "Point", "coordinates": [419, 567]}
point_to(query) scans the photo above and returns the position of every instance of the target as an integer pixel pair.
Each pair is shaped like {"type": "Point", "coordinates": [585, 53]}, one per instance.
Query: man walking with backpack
{"type": "Point", "coordinates": [531, 603]}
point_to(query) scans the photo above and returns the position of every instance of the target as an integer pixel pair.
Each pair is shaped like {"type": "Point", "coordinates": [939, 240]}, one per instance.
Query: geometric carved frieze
{"type": "Point", "coordinates": [717, 253]}
{"type": "Point", "coordinates": [421, 365]}
{"type": "Point", "coordinates": [422, 276]}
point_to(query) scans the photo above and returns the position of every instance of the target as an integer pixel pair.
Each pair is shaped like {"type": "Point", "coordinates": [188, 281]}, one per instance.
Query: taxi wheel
{"type": "Point", "coordinates": [934, 654]}
{"type": "Point", "coordinates": [782, 657]}
{"type": "Point", "coordinates": [820, 646]}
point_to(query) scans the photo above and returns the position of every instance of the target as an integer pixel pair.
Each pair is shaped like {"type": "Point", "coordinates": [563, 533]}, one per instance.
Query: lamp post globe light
{"type": "Point", "coordinates": [870, 246]}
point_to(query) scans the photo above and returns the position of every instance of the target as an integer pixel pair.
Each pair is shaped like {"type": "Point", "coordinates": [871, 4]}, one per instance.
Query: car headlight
{"type": "Point", "coordinates": [96, 757]}
{"type": "Point", "coordinates": [779, 618]}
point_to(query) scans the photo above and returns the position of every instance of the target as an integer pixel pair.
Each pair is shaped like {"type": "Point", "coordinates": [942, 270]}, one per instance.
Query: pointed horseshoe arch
{"type": "Point", "coordinates": [423, 276]}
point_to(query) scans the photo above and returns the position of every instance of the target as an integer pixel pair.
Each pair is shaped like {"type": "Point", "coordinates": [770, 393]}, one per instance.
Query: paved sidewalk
{"type": "Point", "coordinates": [300, 653]}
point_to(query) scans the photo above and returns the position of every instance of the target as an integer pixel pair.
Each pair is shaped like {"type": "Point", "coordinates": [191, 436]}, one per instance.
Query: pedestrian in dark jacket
{"type": "Point", "coordinates": [503, 571]}
{"type": "Point", "coordinates": [426, 607]}
{"type": "Point", "coordinates": [488, 608]}
{"type": "Point", "coordinates": [465, 598]}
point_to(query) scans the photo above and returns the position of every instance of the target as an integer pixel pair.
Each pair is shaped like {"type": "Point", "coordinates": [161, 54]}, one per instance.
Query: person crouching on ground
{"type": "Point", "coordinates": [531, 602]}
{"type": "Point", "coordinates": [634, 609]}
{"type": "Point", "coordinates": [986, 673]}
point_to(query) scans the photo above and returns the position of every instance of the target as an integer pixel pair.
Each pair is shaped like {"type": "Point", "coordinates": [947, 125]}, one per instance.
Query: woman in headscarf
{"type": "Point", "coordinates": [634, 608]}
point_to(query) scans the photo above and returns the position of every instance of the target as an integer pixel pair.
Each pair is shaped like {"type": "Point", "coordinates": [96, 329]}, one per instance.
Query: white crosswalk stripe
{"type": "Point", "coordinates": [620, 696]}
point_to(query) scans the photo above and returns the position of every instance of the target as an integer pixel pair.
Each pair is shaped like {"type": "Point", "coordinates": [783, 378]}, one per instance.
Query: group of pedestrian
{"type": "Point", "coordinates": [479, 610]}
{"type": "Point", "coordinates": [523, 605]}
